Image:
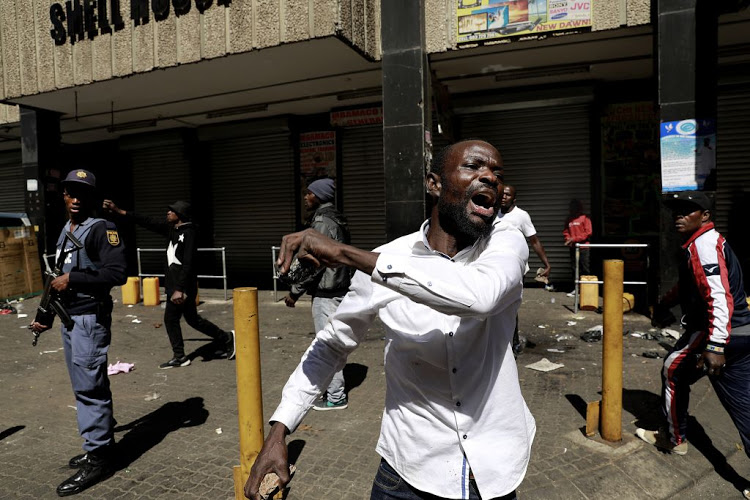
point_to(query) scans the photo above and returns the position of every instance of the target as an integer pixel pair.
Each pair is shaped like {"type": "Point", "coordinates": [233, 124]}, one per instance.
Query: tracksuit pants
{"type": "Point", "coordinates": [732, 386]}
{"type": "Point", "coordinates": [188, 309]}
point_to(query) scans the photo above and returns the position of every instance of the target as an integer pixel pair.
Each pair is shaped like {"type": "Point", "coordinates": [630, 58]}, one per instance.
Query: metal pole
{"type": "Point", "coordinates": [224, 269]}
{"type": "Point", "coordinates": [578, 278]}
{"type": "Point", "coordinates": [249, 393]}
{"type": "Point", "coordinates": [611, 415]}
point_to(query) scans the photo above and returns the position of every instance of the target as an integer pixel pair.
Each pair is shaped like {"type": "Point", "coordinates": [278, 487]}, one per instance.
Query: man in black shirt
{"type": "Point", "coordinates": [88, 275]}
{"type": "Point", "coordinates": [181, 279]}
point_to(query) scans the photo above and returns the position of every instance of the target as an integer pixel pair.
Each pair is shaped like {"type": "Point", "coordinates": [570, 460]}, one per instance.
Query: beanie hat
{"type": "Point", "coordinates": [182, 209]}
{"type": "Point", "coordinates": [323, 189]}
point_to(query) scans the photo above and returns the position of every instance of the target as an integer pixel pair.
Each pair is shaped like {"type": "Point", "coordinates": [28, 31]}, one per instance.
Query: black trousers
{"type": "Point", "coordinates": [188, 309]}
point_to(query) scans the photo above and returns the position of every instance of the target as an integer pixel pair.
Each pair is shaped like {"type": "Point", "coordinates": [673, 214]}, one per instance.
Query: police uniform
{"type": "Point", "coordinates": [92, 272]}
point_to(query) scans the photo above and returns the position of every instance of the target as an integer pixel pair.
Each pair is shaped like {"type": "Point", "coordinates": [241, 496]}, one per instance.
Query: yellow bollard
{"type": "Point", "coordinates": [131, 291]}
{"type": "Point", "coordinates": [611, 408]}
{"type": "Point", "coordinates": [249, 395]}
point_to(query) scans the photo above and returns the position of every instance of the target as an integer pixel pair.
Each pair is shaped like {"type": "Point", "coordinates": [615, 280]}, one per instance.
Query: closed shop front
{"type": "Point", "coordinates": [547, 156]}
{"type": "Point", "coordinates": [362, 184]}
{"type": "Point", "coordinates": [12, 187]}
{"type": "Point", "coordinates": [252, 187]}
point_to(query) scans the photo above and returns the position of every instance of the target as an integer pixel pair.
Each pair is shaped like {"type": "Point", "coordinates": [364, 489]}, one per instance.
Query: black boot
{"type": "Point", "coordinates": [93, 469]}
{"type": "Point", "coordinates": [78, 461]}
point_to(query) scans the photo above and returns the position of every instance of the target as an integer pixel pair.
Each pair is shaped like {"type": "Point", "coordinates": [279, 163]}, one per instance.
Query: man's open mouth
{"type": "Point", "coordinates": [483, 203]}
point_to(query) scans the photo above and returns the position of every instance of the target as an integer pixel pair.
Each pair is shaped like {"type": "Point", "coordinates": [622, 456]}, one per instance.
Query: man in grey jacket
{"type": "Point", "coordinates": [327, 286]}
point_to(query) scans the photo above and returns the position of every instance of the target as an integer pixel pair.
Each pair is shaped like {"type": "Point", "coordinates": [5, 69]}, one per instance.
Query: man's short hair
{"type": "Point", "coordinates": [438, 161]}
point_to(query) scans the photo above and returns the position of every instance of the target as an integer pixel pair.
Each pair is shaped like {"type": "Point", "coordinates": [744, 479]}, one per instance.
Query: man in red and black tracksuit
{"type": "Point", "coordinates": [716, 318]}
{"type": "Point", "coordinates": [181, 279]}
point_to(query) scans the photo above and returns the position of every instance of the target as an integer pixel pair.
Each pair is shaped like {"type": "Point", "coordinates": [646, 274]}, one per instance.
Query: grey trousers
{"type": "Point", "coordinates": [322, 309]}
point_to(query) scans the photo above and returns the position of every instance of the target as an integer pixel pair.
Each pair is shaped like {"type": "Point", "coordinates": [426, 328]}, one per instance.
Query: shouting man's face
{"type": "Point", "coordinates": [469, 187]}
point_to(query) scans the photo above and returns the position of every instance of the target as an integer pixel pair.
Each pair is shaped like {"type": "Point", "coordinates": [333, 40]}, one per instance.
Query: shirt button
{"type": "Point", "coordinates": [458, 403]}
{"type": "Point", "coordinates": [450, 334]}
{"type": "Point", "coordinates": [466, 437]}
{"type": "Point", "coordinates": [429, 283]}
{"type": "Point", "coordinates": [454, 370]}
{"type": "Point", "coordinates": [390, 266]}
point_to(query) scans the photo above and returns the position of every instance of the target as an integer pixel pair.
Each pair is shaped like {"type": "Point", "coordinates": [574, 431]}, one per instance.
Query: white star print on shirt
{"type": "Point", "coordinates": [171, 250]}
{"type": "Point", "coordinates": [181, 238]}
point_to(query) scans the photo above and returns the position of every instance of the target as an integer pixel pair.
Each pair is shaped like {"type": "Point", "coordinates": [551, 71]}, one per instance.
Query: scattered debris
{"type": "Point", "coordinates": [571, 323]}
{"type": "Point", "coordinates": [668, 332]}
{"type": "Point", "coordinates": [562, 337]}
{"type": "Point", "coordinates": [579, 317]}
{"type": "Point", "coordinates": [544, 365]}
{"type": "Point", "coordinates": [152, 397]}
{"type": "Point", "coordinates": [71, 406]}
{"type": "Point", "coordinates": [542, 326]}
{"type": "Point", "coordinates": [555, 350]}
{"type": "Point", "coordinates": [157, 325]}
{"type": "Point", "coordinates": [593, 334]}
{"type": "Point", "coordinates": [131, 316]}
{"type": "Point", "coordinates": [50, 352]}
{"type": "Point", "coordinates": [637, 334]}
{"type": "Point", "coordinates": [23, 315]}
{"type": "Point", "coordinates": [273, 338]}
{"type": "Point", "coordinates": [136, 320]}
{"type": "Point", "coordinates": [131, 305]}
{"type": "Point", "coordinates": [120, 367]}
{"type": "Point", "coordinates": [651, 355]}
{"type": "Point", "coordinates": [218, 431]}
{"type": "Point", "coordinates": [549, 288]}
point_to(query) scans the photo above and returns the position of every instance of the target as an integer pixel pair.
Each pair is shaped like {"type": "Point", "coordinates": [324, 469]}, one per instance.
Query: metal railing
{"type": "Point", "coordinates": [604, 245]}
{"type": "Point", "coordinates": [275, 272]}
{"type": "Point", "coordinates": [223, 276]}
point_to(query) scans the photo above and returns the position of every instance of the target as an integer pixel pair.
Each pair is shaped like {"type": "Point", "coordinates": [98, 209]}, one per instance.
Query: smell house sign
{"type": "Point", "coordinates": [78, 19]}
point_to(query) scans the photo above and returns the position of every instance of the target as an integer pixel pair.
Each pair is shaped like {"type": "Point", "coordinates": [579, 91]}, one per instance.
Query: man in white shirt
{"type": "Point", "coordinates": [512, 215]}
{"type": "Point", "coordinates": [455, 424]}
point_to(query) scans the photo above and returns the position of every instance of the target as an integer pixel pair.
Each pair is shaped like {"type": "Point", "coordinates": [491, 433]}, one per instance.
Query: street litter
{"type": "Point", "coordinates": [136, 320]}
{"type": "Point", "coordinates": [555, 350]}
{"type": "Point", "coordinates": [593, 334]}
{"type": "Point", "coordinates": [131, 316]}
{"type": "Point", "coordinates": [542, 326]}
{"type": "Point", "coordinates": [571, 323]}
{"type": "Point", "coordinates": [273, 338]}
{"type": "Point", "coordinates": [544, 365]}
{"type": "Point", "coordinates": [120, 367]}
{"type": "Point", "coordinates": [560, 338]}
{"type": "Point", "coordinates": [668, 332]}
{"type": "Point", "coordinates": [579, 317]}
{"type": "Point", "coordinates": [651, 354]}
{"type": "Point", "coordinates": [23, 315]}
{"type": "Point", "coordinates": [157, 325]}
{"type": "Point", "coordinates": [131, 305]}
{"type": "Point", "coordinates": [73, 407]}
{"type": "Point", "coordinates": [50, 352]}
{"type": "Point", "coordinates": [218, 431]}
{"type": "Point", "coordinates": [151, 397]}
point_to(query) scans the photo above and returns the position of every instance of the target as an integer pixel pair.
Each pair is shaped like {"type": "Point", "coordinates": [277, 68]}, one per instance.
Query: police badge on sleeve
{"type": "Point", "coordinates": [113, 237]}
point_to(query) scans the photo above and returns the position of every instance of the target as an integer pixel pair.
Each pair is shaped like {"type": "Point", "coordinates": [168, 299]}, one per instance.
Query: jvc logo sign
{"type": "Point", "coordinates": [80, 19]}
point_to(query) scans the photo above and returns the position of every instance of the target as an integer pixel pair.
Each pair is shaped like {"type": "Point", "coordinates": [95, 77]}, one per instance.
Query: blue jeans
{"type": "Point", "coordinates": [322, 309]}
{"type": "Point", "coordinates": [389, 485]}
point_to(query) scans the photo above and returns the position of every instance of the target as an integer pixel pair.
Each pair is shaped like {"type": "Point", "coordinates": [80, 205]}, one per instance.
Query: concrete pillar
{"type": "Point", "coordinates": [406, 108]}
{"type": "Point", "coordinates": [40, 152]}
{"type": "Point", "coordinates": [687, 41]}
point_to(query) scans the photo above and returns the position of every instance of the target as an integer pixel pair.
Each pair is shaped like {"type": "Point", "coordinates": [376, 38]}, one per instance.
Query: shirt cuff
{"type": "Point", "coordinates": [290, 415]}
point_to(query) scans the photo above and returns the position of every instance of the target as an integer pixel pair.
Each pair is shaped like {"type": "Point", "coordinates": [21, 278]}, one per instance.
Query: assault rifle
{"type": "Point", "coordinates": [50, 304]}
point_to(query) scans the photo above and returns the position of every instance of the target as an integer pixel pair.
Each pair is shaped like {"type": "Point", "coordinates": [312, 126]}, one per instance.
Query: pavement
{"type": "Point", "coordinates": [177, 429]}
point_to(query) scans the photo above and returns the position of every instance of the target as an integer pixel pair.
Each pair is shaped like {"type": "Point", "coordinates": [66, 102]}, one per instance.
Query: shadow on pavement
{"type": "Point", "coordinates": [578, 403]}
{"type": "Point", "coordinates": [208, 352]}
{"type": "Point", "coordinates": [10, 431]}
{"type": "Point", "coordinates": [698, 438]}
{"type": "Point", "coordinates": [149, 430]}
{"type": "Point", "coordinates": [354, 375]}
{"type": "Point", "coordinates": [645, 406]}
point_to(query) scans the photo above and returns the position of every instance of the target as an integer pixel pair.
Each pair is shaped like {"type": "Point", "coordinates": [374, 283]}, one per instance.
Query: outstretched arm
{"type": "Point", "coordinates": [160, 226]}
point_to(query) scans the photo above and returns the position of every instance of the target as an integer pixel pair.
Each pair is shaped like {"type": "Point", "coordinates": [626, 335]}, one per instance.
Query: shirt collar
{"type": "Point", "coordinates": [698, 233]}
{"type": "Point", "coordinates": [461, 253]}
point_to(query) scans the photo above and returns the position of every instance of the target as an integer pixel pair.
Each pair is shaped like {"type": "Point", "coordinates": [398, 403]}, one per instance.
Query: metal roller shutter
{"type": "Point", "coordinates": [161, 175]}
{"type": "Point", "coordinates": [363, 184]}
{"type": "Point", "coordinates": [254, 202]}
{"type": "Point", "coordinates": [547, 157]}
{"type": "Point", "coordinates": [11, 183]}
{"type": "Point", "coordinates": [733, 171]}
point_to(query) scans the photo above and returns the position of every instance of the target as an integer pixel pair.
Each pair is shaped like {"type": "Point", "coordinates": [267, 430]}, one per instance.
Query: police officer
{"type": "Point", "coordinates": [88, 275]}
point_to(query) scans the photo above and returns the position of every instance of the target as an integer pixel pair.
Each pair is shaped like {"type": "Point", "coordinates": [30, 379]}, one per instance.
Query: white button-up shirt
{"type": "Point", "coordinates": [453, 401]}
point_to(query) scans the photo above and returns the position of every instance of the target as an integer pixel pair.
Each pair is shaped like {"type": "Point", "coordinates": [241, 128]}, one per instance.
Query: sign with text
{"type": "Point", "coordinates": [357, 117]}
{"type": "Point", "coordinates": [482, 20]}
{"type": "Point", "coordinates": [688, 154]}
{"type": "Point", "coordinates": [317, 154]}
{"type": "Point", "coordinates": [76, 20]}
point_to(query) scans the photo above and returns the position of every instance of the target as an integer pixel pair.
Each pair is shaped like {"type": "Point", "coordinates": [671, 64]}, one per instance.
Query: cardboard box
{"type": "Point", "coordinates": [33, 265]}
{"type": "Point", "coordinates": [20, 267]}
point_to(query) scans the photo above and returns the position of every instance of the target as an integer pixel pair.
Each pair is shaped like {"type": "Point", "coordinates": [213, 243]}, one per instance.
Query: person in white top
{"type": "Point", "coordinates": [516, 217]}
{"type": "Point", "coordinates": [455, 424]}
